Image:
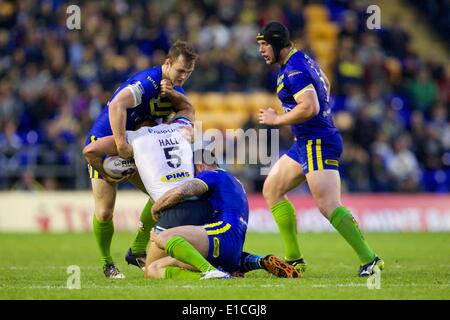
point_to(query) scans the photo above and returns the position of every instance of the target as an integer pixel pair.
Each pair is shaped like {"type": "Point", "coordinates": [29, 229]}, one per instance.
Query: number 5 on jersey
{"type": "Point", "coordinates": [173, 159]}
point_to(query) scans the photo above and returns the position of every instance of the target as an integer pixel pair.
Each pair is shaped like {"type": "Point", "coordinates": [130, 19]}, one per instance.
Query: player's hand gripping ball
{"type": "Point", "coordinates": [116, 167]}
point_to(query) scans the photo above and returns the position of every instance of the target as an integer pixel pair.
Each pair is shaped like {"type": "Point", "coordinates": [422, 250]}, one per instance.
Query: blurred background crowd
{"type": "Point", "coordinates": [390, 103]}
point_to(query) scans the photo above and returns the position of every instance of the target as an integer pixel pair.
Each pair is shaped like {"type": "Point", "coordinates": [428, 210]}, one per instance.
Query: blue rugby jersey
{"type": "Point", "coordinates": [298, 73]}
{"type": "Point", "coordinates": [146, 88]}
{"type": "Point", "coordinates": [226, 196]}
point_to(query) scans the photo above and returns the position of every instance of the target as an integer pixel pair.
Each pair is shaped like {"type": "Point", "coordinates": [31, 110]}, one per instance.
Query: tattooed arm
{"type": "Point", "coordinates": [172, 197]}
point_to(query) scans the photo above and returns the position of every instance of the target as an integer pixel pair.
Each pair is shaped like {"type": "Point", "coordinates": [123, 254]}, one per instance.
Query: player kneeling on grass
{"type": "Point", "coordinates": [213, 250]}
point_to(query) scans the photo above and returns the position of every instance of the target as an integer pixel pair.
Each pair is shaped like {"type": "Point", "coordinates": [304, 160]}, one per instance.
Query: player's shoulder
{"type": "Point", "coordinates": [214, 174]}
{"type": "Point", "coordinates": [296, 64]}
{"type": "Point", "coordinates": [296, 59]}
{"type": "Point", "coordinates": [223, 174]}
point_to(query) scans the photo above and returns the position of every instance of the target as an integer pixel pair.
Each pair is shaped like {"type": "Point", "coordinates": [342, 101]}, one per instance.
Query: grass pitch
{"type": "Point", "coordinates": [417, 267]}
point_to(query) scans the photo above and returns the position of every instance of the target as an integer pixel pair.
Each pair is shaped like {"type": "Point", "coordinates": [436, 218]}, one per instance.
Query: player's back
{"type": "Point", "coordinates": [163, 157]}
{"type": "Point", "coordinates": [298, 74]}
{"type": "Point", "coordinates": [226, 195]}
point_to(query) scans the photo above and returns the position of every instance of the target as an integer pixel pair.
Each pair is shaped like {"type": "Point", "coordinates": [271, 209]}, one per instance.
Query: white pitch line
{"type": "Point", "coordinates": [206, 287]}
{"type": "Point", "coordinates": [133, 287]}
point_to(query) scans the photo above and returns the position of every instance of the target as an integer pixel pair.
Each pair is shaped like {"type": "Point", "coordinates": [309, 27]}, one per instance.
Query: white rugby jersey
{"type": "Point", "coordinates": [163, 157]}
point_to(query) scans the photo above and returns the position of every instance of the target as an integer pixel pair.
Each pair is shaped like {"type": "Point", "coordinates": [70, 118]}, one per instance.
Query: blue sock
{"type": "Point", "coordinates": [250, 262]}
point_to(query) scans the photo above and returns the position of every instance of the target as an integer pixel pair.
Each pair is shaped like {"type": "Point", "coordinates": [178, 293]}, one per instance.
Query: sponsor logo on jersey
{"type": "Point", "coordinates": [326, 113]}
{"type": "Point", "coordinates": [332, 162]}
{"type": "Point", "coordinates": [176, 176]}
{"type": "Point", "coordinates": [293, 73]}
{"type": "Point", "coordinates": [155, 85]}
{"type": "Point", "coordinates": [164, 131]}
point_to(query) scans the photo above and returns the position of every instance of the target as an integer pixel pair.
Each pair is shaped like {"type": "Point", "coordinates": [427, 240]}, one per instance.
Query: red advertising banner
{"type": "Point", "coordinates": [72, 212]}
{"type": "Point", "coordinates": [374, 212]}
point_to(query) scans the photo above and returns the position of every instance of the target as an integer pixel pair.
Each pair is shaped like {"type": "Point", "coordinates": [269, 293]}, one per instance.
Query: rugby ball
{"type": "Point", "coordinates": [117, 167]}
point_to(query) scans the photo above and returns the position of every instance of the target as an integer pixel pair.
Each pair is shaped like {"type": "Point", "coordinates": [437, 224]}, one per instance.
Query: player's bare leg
{"type": "Point", "coordinates": [105, 199]}
{"type": "Point", "coordinates": [285, 175]}
{"type": "Point", "coordinates": [325, 186]}
{"type": "Point", "coordinates": [154, 253]}
{"type": "Point", "coordinates": [166, 266]}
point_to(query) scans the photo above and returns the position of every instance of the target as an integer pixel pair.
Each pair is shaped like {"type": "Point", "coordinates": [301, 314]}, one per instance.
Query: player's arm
{"type": "Point", "coordinates": [95, 151]}
{"type": "Point", "coordinates": [180, 102]}
{"type": "Point", "coordinates": [192, 188]}
{"type": "Point", "coordinates": [307, 107]}
{"type": "Point", "coordinates": [125, 99]}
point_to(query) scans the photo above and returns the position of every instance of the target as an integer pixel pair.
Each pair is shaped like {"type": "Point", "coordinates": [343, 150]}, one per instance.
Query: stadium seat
{"type": "Point", "coordinates": [195, 99]}
{"type": "Point", "coordinates": [236, 101]}
{"type": "Point", "coordinates": [258, 100]}
{"type": "Point", "coordinates": [316, 12]}
{"type": "Point", "coordinates": [322, 31]}
{"type": "Point", "coordinates": [212, 101]}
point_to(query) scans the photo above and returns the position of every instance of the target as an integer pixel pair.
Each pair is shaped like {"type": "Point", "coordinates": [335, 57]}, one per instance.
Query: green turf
{"type": "Point", "coordinates": [417, 267]}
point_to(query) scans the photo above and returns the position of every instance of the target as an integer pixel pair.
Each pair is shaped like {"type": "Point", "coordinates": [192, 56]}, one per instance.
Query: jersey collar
{"type": "Point", "coordinates": [293, 50]}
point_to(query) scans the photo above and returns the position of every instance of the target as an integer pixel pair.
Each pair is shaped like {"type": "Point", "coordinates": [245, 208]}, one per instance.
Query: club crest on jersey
{"type": "Point", "coordinates": [176, 176]}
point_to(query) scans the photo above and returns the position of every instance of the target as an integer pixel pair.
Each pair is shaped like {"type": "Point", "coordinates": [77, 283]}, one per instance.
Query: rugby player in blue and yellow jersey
{"type": "Point", "coordinates": [303, 90]}
{"type": "Point", "coordinates": [150, 95]}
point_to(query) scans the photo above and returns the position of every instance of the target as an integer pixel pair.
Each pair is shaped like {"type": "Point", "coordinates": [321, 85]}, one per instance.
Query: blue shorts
{"type": "Point", "coordinates": [226, 241]}
{"type": "Point", "coordinates": [318, 153]}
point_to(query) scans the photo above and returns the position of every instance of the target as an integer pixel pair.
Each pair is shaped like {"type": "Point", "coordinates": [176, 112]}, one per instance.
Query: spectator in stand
{"type": "Point", "coordinates": [403, 166]}
{"type": "Point", "coordinates": [423, 90]}
{"type": "Point", "coordinates": [48, 72]}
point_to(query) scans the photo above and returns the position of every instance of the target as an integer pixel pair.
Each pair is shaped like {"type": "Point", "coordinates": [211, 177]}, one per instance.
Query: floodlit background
{"type": "Point", "coordinates": [390, 87]}
{"type": "Point", "coordinates": [390, 99]}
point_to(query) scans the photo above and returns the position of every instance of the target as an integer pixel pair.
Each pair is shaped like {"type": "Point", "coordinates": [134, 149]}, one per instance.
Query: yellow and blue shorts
{"type": "Point", "coordinates": [226, 241]}
{"type": "Point", "coordinates": [317, 153]}
{"type": "Point", "coordinates": [93, 174]}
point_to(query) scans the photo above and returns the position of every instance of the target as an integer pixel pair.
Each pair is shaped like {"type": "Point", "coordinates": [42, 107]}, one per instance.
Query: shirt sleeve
{"type": "Point", "coordinates": [298, 81]}
{"type": "Point", "coordinates": [140, 88]}
{"type": "Point", "coordinates": [180, 90]}
{"type": "Point", "coordinates": [209, 178]}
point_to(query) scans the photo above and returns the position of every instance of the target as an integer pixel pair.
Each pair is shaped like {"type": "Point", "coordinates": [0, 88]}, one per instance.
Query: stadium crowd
{"type": "Point", "coordinates": [391, 105]}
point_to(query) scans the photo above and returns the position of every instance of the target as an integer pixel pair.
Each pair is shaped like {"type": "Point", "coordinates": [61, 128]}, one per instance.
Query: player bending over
{"type": "Point", "coordinates": [153, 94]}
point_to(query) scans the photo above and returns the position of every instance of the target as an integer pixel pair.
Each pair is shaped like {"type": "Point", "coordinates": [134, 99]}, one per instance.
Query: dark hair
{"type": "Point", "coordinates": [185, 49]}
{"type": "Point", "coordinates": [205, 156]}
